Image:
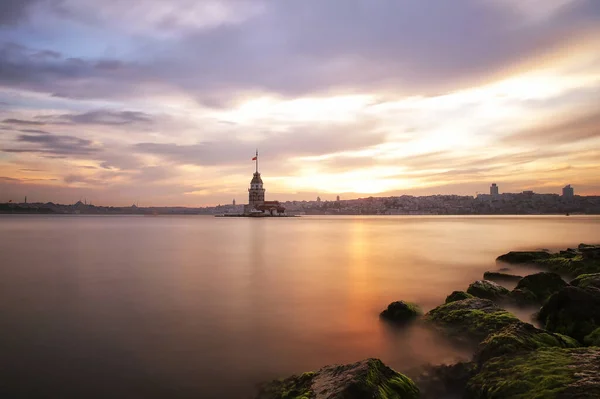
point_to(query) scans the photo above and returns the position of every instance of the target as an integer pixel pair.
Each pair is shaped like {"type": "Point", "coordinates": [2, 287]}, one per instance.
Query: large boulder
{"type": "Point", "coordinates": [470, 320]}
{"type": "Point", "coordinates": [487, 290]}
{"type": "Point", "coordinates": [587, 280]}
{"type": "Point", "coordinates": [458, 296]}
{"type": "Point", "coordinates": [544, 373]}
{"type": "Point", "coordinates": [589, 251]}
{"type": "Point", "coordinates": [572, 311]}
{"type": "Point", "coordinates": [593, 338]}
{"type": "Point", "coordinates": [521, 337]}
{"type": "Point", "coordinates": [401, 312]}
{"type": "Point", "coordinates": [499, 276]}
{"type": "Point", "coordinates": [444, 381]}
{"type": "Point", "coordinates": [541, 285]}
{"type": "Point", "coordinates": [524, 256]}
{"type": "Point", "coordinates": [367, 379]}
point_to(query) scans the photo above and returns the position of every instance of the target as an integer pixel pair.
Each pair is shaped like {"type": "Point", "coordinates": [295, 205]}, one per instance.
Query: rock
{"type": "Point", "coordinates": [541, 285]}
{"type": "Point", "coordinates": [523, 256]}
{"type": "Point", "coordinates": [586, 259]}
{"type": "Point", "coordinates": [368, 378]}
{"type": "Point", "coordinates": [401, 312]}
{"type": "Point", "coordinates": [497, 276]}
{"type": "Point", "coordinates": [458, 296]}
{"type": "Point", "coordinates": [544, 373]}
{"type": "Point", "coordinates": [593, 338]}
{"type": "Point", "coordinates": [587, 280]}
{"type": "Point", "coordinates": [520, 337]}
{"type": "Point", "coordinates": [523, 297]}
{"type": "Point", "coordinates": [572, 311]}
{"type": "Point", "coordinates": [470, 320]}
{"type": "Point", "coordinates": [487, 290]}
{"type": "Point", "coordinates": [443, 381]}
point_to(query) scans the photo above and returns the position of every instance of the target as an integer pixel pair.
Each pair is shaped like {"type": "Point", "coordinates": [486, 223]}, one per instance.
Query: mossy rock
{"type": "Point", "coordinates": [470, 320]}
{"type": "Point", "coordinates": [499, 276]}
{"type": "Point", "coordinates": [524, 256]}
{"type": "Point", "coordinates": [401, 312]}
{"type": "Point", "coordinates": [572, 311]}
{"type": "Point", "coordinates": [541, 285]}
{"type": "Point", "coordinates": [458, 296]}
{"type": "Point", "coordinates": [444, 381]}
{"type": "Point", "coordinates": [521, 337]}
{"type": "Point", "coordinates": [368, 378]}
{"type": "Point", "coordinates": [487, 290]}
{"type": "Point", "coordinates": [523, 297]}
{"type": "Point", "coordinates": [587, 280]}
{"type": "Point", "coordinates": [543, 374]}
{"type": "Point", "coordinates": [593, 338]}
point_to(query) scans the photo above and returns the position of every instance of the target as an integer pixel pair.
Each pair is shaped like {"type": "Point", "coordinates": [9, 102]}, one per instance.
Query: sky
{"type": "Point", "coordinates": [165, 102]}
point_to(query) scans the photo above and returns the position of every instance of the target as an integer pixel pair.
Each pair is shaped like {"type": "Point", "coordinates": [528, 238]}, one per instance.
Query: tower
{"type": "Point", "coordinates": [494, 189]}
{"type": "Point", "coordinates": [568, 191]}
{"type": "Point", "coordinates": [256, 192]}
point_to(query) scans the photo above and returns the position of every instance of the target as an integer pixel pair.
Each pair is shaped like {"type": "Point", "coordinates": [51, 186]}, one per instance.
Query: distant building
{"type": "Point", "coordinates": [568, 191]}
{"type": "Point", "coordinates": [318, 199]}
{"type": "Point", "coordinates": [528, 192]}
{"type": "Point", "coordinates": [337, 198]}
{"type": "Point", "coordinates": [494, 189]}
{"type": "Point", "coordinates": [234, 202]}
{"type": "Point", "coordinates": [256, 196]}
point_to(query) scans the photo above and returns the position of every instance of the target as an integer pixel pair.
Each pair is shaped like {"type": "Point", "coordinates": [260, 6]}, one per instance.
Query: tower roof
{"type": "Point", "coordinates": [256, 178]}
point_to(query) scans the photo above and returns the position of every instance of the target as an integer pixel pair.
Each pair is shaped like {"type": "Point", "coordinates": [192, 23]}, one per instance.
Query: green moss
{"type": "Point", "coordinates": [487, 290]}
{"type": "Point", "coordinates": [535, 375]}
{"type": "Point", "coordinates": [566, 262]}
{"type": "Point", "coordinates": [521, 337]}
{"type": "Point", "coordinates": [401, 311]}
{"type": "Point", "coordinates": [294, 387]}
{"type": "Point", "coordinates": [458, 296]}
{"type": "Point", "coordinates": [471, 319]}
{"type": "Point", "coordinates": [593, 338]}
{"type": "Point", "coordinates": [587, 280]}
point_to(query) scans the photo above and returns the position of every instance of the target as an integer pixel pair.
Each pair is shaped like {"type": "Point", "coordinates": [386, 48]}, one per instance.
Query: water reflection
{"type": "Point", "coordinates": [206, 307]}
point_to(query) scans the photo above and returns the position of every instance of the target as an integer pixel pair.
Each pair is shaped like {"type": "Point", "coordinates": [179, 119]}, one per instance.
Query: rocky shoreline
{"type": "Point", "coordinates": [513, 359]}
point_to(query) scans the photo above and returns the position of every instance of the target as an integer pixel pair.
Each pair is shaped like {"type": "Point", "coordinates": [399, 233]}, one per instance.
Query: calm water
{"type": "Point", "coordinates": [202, 307]}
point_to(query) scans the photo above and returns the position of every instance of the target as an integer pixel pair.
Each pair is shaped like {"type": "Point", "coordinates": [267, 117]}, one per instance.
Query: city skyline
{"type": "Point", "coordinates": [390, 99]}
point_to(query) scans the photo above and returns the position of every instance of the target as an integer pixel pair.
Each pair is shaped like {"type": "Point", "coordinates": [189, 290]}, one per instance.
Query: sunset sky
{"type": "Point", "coordinates": [165, 102]}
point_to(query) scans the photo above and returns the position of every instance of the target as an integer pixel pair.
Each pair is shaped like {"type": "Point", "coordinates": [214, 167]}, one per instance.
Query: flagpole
{"type": "Point", "coordinates": [257, 160]}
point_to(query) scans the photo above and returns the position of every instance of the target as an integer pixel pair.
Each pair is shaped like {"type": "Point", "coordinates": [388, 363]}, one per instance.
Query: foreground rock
{"type": "Point", "coordinates": [587, 280]}
{"type": "Point", "coordinates": [444, 381]}
{"type": "Point", "coordinates": [401, 312]}
{"type": "Point", "coordinates": [583, 260]}
{"type": "Point", "coordinates": [499, 276]}
{"type": "Point", "coordinates": [572, 311]}
{"type": "Point", "coordinates": [537, 288]}
{"type": "Point", "coordinates": [470, 320]}
{"type": "Point", "coordinates": [521, 337]}
{"type": "Point", "coordinates": [544, 373]}
{"type": "Point", "coordinates": [458, 296]}
{"type": "Point", "coordinates": [487, 290]}
{"type": "Point", "coordinates": [366, 379]}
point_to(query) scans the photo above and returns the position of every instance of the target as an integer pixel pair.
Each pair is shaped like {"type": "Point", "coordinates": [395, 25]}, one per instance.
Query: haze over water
{"type": "Point", "coordinates": [205, 307]}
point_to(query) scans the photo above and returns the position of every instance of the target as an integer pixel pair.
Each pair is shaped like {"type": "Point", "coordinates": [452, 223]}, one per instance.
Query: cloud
{"type": "Point", "coordinates": [107, 117]}
{"type": "Point", "coordinates": [22, 122]}
{"type": "Point", "coordinates": [13, 11]}
{"type": "Point", "coordinates": [61, 145]}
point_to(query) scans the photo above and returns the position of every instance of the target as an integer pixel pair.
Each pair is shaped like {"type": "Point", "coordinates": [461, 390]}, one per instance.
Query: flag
{"type": "Point", "coordinates": [255, 158]}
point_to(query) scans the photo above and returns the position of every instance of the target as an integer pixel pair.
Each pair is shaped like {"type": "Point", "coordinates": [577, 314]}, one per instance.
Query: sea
{"type": "Point", "coordinates": [204, 307]}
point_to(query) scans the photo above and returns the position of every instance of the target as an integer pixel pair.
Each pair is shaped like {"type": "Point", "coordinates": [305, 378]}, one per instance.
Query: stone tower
{"type": "Point", "coordinates": [256, 192]}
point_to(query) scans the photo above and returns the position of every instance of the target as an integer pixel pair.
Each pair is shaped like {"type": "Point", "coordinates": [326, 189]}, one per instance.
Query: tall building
{"type": "Point", "coordinates": [337, 198]}
{"type": "Point", "coordinates": [318, 199]}
{"type": "Point", "coordinates": [568, 191]}
{"type": "Point", "coordinates": [494, 189]}
{"type": "Point", "coordinates": [234, 202]}
{"type": "Point", "coordinates": [256, 197]}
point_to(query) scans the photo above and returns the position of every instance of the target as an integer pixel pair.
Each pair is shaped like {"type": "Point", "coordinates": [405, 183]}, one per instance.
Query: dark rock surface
{"type": "Point", "coordinates": [487, 290]}
{"type": "Point", "coordinates": [499, 276]}
{"type": "Point", "coordinates": [587, 280]}
{"type": "Point", "coordinates": [541, 285]}
{"type": "Point", "coordinates": [445, 381]}
{"type": "Point", "coordinates": [401, 312]}
{"type": "Point", "coordinates": [367, 379]}
{"type": "Point", "coordinates": [572, 262]}
{"type": "Point", "coordinates": [524, 256]}
{"type": "Point", "coordinates": [572, 311]}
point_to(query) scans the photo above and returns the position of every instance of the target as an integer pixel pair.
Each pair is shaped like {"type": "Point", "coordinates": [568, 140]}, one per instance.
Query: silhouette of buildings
{"type": "Point", "coordinates": [568, 191]}
{"type": "Point", "coordinates": [494, 190]}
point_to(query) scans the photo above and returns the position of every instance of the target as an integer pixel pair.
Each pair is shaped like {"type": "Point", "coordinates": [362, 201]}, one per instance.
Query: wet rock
{"type": "Point", "coordinates": [523, 297]}
{"type": "Point", "coordinates": [498, 276]}
{"type": "Point", "coordinates": [445, 381]}
{"type": "Point", "coordinates": [487, 290]}
{"type": "Point", "coordinates": [589, 251]}
{"type": "Point", "coordinates": [521, 337]}
{"type": "Point", "coordinates": [470, 320]}
{"type": "Point", "coordinates": [543, 373]}
{"type": "Point", "coordinates": [572, 311]}
{"type": "Point", "coordinates": [524, 256]}
{"type": "Point", "coordinates": [458, 296]}
{"type": "Point", "coordinates": [366, 379]}
{"type": "Point", "coordinates": [539, 286]}
{"type": "Point", "coordinates": [593, 338]}
{"type": "Point", "coordinates": [587, 280]}
{"type": "Point", "coordinates": [401, 312]}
